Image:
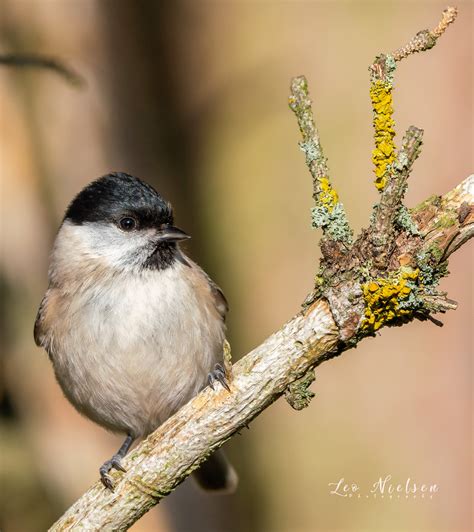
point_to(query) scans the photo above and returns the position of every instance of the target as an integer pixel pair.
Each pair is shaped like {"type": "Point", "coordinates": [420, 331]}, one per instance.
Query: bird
{"type": "Point", "coordinates": [132, 326]}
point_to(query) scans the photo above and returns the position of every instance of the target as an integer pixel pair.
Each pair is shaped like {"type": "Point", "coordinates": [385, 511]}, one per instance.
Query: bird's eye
{"type": "Point", "coordinates": [127, 223]}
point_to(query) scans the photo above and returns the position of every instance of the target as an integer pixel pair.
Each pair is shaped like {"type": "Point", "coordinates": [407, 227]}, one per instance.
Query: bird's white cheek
{"type": "Point", "coordinates": [116, 248]}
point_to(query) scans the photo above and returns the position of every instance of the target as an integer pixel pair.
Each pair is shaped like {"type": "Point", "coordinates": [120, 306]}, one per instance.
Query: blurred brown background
{"type": "Point", "coordinates": [192, 97]}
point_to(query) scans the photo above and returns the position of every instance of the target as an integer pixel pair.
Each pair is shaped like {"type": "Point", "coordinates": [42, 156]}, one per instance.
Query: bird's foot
{"type": "Point", "coordinates": [113, 463]}
{"type": "Point", "coordinates": [218, 374]}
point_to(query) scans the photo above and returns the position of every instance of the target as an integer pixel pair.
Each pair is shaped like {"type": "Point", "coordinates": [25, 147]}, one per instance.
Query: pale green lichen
{"type": "Point", "coordinates": [402, 162]}
{"type": "Point", "coordinates": [431, 269]}
{"type": "Point", "coordinates": [433, 200]}
{"type": "Point", "coordinates": [406, 222]}
{"type": "Point", "coordinates": [413, 301]}
{"type": "Point", "coordinates": [364, 270]}
{"type": "Point", "coordinates": [388, 64]}
{"type": "Point", "coordinates": [329, 213]}
{"type": "Point", "coordinates": [298, 394]}
{"type": "Point", "coordinates": [373, 214]}
{"type": "Point", "coordinates": [311, 151]}
{"type": "Point", "coordinates": [434, 252]}
{"type": "Point", "coordinates": [447, 219]}
{"type": "Point", "coordinates": [333, 221]}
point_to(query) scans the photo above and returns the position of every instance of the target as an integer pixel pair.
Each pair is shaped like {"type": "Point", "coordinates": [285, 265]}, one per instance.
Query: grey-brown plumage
{"type": "Point", "coordinates": [132, 326]}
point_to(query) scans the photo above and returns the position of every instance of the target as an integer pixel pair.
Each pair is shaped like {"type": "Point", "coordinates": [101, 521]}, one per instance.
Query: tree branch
{"type": "Point", "coordinates": [328, 212]}
{"type": "Point", "coordinates": [392, 169]}
{"type": "Point", "coordinates": [358, 290]}
{"type": "Point", "coordinates": [30, 60]}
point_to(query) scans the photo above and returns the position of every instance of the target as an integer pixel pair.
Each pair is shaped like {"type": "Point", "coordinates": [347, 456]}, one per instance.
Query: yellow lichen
{"type": "Point", "coordinates": [384, 152]}
{"type": "Point", "coordinates": [327, 196]}
{"type": "Point", "coordinates": [383, 297]}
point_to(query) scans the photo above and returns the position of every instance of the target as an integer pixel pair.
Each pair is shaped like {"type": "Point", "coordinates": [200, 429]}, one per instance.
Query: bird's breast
{"type": "Point", "coordinates": [130, 352]}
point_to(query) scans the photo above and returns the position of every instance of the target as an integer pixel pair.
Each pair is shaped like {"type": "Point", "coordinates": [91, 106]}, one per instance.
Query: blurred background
{"type": "Point", "coordinates": [192, 97]}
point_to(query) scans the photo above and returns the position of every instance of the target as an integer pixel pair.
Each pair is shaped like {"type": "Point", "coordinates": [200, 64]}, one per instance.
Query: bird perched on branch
{"type": "Point", "coordinates": [133, 327]}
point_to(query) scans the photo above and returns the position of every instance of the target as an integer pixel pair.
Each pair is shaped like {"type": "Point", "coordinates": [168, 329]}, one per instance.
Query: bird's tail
{"type": "Point", "coordinates": [216, 474]}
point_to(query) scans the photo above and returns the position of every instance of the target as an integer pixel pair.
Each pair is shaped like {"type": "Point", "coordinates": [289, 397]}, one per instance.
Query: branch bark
{"type": "Point", "coordinates": [358, 290]}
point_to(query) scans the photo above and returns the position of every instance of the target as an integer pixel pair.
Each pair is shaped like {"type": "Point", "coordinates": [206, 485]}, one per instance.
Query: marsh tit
{"type": "Point", "coordinates": [133, 327]}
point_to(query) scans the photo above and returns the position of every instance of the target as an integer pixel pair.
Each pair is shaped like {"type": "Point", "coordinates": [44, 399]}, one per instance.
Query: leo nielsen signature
{"type": "Point", "coordinates": [384, 486]}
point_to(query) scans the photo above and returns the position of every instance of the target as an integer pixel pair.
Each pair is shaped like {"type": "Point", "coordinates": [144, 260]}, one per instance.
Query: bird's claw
{"type": "Point", "coordinates": [113, 463]}
{"type": "Point", "coordinates": [107, 481]}
{"type": "Point", "coordinates": [218, 374]}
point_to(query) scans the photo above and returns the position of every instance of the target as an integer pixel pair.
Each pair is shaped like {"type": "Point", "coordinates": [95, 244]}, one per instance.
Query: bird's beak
{"type": "Point", "coordinates": [172, 234]}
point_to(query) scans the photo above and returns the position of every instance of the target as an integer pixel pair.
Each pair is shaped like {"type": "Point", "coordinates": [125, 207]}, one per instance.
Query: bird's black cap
{"type": "Point", "coordinates": [114, 195]}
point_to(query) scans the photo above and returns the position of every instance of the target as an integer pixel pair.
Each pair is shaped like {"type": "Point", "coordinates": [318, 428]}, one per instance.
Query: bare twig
{"type": "Point", "coordinates": [426, 39]}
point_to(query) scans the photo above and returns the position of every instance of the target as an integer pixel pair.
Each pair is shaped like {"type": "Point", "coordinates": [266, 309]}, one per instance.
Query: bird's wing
{"type": "Point", "coordinates": [39, 329]}
{"type": "Point", "coordinates": [220, 301]}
